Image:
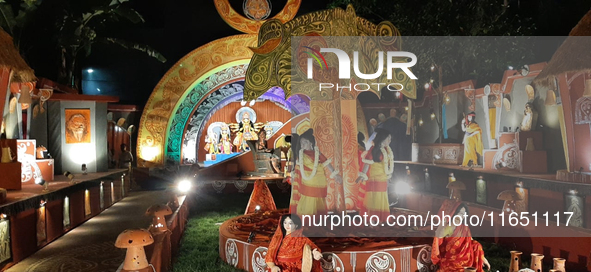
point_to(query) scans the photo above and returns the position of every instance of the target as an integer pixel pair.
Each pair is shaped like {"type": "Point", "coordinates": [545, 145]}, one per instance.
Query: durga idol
{"type": "Point", "coordinates": [245, 132]}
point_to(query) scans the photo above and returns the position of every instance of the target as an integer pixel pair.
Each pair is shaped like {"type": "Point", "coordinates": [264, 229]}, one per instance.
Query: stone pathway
{"type": "Point", "coordinates": [90, 246]}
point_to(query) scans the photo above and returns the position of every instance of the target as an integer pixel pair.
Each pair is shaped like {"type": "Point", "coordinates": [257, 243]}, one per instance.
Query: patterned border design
{"type": "Point", "coordinates": [231, 252]}
{"type": "Point", "coordinates": [195, 125]}
{"type": "Point", "coordinates": [258, 259]}
{"type": "Point", "coordinates": [424, 263]}
{"type": "Point", "coordinates": [173, 87]}
{"type": "Point", "coordinates": [380, 261]}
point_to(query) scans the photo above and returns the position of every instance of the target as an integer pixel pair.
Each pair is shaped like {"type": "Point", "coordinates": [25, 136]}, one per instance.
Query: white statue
{"type": "Point", "coordinates": [530, 117]}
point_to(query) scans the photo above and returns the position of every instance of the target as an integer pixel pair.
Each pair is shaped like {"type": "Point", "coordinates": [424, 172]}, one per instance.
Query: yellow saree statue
{"type": "Point", "coordinates": [472, 140]}
{"type": "Point", "coordinates": [309, 179]}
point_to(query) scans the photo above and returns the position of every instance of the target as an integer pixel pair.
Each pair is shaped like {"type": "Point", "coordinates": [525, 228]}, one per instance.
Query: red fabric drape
{"type": "Point", "coordinates": [457, 251]}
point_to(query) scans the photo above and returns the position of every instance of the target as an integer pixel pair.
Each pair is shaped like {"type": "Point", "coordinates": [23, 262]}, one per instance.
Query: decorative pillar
{"type": "Point", "coordinates": [350, 163]}
{"type": "Point", "coordinates": [325, 120]}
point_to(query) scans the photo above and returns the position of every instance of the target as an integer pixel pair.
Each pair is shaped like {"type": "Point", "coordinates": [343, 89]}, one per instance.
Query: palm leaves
{"type": "Point", "coordinates": [15, 16]}
{"type": "Point", "coordinates": [85, 23]}
{"type": "Point", "coordinates": [79, 25]}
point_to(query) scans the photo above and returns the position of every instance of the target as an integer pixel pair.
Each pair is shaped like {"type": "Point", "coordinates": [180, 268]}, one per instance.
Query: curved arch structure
{"type": "Point", "coordinates": [165, 123]}
{"type": "Point", "coordinates": [186, 84]}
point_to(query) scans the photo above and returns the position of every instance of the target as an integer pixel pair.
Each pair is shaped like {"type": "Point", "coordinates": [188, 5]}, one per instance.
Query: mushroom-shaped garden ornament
{"type": "Point", "coordinates": [134, 241]}
{"type": "Point", "coordinates": [158, 213]}
{"type": "Point", "coordinates": [510, 197]}
{"type": "Point", "coordinates": [455, 189]}
{"type": "Point", "coordinates": [173, 201]}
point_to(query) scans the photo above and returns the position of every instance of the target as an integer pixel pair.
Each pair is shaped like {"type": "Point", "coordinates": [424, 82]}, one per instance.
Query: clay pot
{"type": "Point", "coordinates": [559, 264]}
{"type": "Point", "coordinates": [515, 261]}
{"type": "Point", "coordinates": [536, 262]}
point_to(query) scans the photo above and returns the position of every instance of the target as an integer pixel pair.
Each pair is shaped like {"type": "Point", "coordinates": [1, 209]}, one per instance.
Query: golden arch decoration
{"type": "Point", "coordinates": [174, 86]}
{"type": "Point", "coordinates": [272, 64]}
{"type": "Point", "coordinates": [202, 62]}
{"type": "Point", "coordinates": [245, 25]}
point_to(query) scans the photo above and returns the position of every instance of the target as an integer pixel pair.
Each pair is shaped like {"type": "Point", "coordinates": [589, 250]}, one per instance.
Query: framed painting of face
{"type": "Point", "coordinates": [77, 123]}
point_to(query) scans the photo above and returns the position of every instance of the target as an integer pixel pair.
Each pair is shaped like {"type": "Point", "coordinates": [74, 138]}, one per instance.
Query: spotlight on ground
{"type": "Point", "coordinates": [402, 188]}
{"type": "Point", "coordinates": [184, 186]}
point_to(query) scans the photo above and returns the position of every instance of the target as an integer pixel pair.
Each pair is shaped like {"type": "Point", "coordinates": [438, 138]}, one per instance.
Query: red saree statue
{"type": "Point", "coordinates": [453, 247]}
{"type": "Point", "coordinates": [290, 251]}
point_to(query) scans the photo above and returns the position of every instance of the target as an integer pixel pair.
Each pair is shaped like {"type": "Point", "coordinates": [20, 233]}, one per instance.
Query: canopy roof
{"type": "Point", "coordinates": [573, 55]}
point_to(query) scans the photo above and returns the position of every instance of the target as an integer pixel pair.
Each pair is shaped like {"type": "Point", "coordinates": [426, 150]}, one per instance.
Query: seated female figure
{"type": "Point", "coordinates": [290, 251]}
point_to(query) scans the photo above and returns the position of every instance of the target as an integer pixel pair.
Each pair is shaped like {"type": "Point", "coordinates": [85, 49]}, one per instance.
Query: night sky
{"type": "Point", "coordinates": [176, 27]}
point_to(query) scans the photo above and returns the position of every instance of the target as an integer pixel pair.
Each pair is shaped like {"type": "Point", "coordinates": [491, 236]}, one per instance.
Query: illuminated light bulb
{"type": "Point", "coordinates": [406, 108]}
{"type": "Point", "coordinates": [432, 115]}
{"type": "Point", "coordinates": [427, 85]}
{"type": "Point", "coordinates": [421, 121]}
{"type": "Point", "coordinates": [184, 186]}
{"type": "Point", "coordinates": [431, 81]}
{"type": "Point", "coordinates": [432, 68]}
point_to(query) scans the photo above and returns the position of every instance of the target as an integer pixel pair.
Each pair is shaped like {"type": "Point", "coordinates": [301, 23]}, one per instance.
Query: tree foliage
{"type": "Point", "coordinates": [77, 26]}
{"type": "Point", "coordinates": [84, 23]}
{"type": "Point", "coordinates": [15, 16]}
{"type": "Point", "coordinates": [461, 58]}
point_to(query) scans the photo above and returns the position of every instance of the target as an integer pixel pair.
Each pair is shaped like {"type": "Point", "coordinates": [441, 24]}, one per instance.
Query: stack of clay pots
{"type": "Point", "coordinates": [536, 263]}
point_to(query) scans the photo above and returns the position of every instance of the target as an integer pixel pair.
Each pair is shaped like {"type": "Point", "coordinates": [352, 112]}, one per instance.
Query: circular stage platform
{"type": "Point", "coordinates": [403, 254]}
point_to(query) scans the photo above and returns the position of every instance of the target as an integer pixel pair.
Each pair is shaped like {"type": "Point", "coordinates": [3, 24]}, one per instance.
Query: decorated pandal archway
{"type": "Point", "coordinates": [242, 85]}
{"type": "Point", "coordinates": [198, 86]}
{"type": "Point", "coordinates": [336, 119]}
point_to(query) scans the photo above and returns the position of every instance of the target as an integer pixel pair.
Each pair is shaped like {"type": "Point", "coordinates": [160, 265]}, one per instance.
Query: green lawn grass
{"type": "Point", "coordinates": [199, 250]}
